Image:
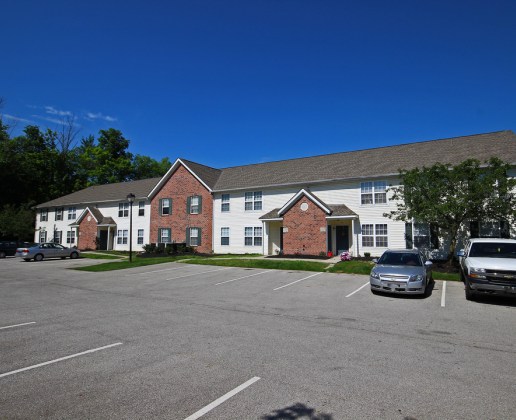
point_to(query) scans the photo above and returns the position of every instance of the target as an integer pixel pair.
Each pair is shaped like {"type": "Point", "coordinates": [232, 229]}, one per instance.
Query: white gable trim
{"type": "Point", "coordinates": [81, 216]}
{"type": "Point", "coordinates": [169, 173]}
{"type": "Point", "coordinates": [294, 199]}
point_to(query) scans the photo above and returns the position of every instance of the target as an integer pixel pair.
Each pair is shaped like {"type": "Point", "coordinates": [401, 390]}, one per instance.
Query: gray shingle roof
{"type": "Point", "coordinates": [370, 162]}
{"type": "Point", "coordinates": [207, 174]}
{"type": "Point", "coordinates": [103, 193]}
{"type": "Point", "coordinates": [336, 210]}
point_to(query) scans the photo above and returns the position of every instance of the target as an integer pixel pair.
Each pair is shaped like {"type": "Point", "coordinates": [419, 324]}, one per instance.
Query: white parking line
{"type": "Point", "coordinates": [202, 272]}
{"type": "Point", "coordinates": [17, 325]}
{"type": "Point", "coordinates": [358, 290]}
{"type": "Point", "coordinates": [241, 278]}
{"type": "Point", "coordinates": [297, 281]}
{"type": "Point", "coordinates": [443, 295]}
{"type": "Point", "coordinates": [220, 400]}
{"type": "Point", "coordinates": [58, 360]}
{"type": "Point", "coordinates": [155, 271]}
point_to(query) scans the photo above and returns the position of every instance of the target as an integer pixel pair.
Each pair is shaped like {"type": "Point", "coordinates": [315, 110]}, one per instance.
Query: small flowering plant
{"type": "Point", "coordinates": [345, 256]}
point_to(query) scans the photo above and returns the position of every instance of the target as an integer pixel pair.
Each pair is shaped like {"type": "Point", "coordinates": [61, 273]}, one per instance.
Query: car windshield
{"type": "Point", "coordinates": [493, 250]}
{"type": "Point", "coordinates": [399, 258]}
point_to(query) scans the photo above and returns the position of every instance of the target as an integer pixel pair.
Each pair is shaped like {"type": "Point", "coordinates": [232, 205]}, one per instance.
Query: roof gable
{"type": "Point", "coordinates": [303, 193]}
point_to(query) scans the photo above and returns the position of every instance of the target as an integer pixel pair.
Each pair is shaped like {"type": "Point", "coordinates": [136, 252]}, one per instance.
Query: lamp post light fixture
{"type": "Point", "coordinates": [130, 198]}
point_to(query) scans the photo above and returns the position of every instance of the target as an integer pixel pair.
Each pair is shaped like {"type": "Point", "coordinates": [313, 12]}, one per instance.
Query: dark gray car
{"type": "Point", "coordinates": [46, 250]}
{"type": "Point", "coordinates": [401, 271]}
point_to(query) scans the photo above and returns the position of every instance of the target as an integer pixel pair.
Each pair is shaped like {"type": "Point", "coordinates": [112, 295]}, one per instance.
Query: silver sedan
{"type": "Point", "coordinates": [401, 271]}
{"type": "Point", "coordinates": [46, 250]}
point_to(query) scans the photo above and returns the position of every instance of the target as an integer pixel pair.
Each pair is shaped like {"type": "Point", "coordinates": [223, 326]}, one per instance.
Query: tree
{"type": "Point", "coordinates": [449, 196]}
{"type": "Point", "coordinates": [147, 167]}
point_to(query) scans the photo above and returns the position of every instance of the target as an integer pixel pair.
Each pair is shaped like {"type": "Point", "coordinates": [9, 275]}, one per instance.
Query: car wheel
{"type": "Point", "coordinates": [2, 254]}
{"type": "Point", "coordinates": [38, 257]}
{"type": "Point", "coordinates": [74, 255]}
{"type": "Point", "coordinates": [470, 294]}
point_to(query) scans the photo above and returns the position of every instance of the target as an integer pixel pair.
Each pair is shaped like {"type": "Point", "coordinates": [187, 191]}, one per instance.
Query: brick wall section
{"type": "Point", "coordinates": [304, 234]}
{"type": "Point", "coordinates": [87, 233]}
{"type": "Point", "coordinates": [179, 187]}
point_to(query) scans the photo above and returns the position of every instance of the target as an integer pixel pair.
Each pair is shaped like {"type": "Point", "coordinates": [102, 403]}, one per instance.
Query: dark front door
{"type": "Point", "coordinates": [103, 239]}
{"type": "Point", "coordinates": [342, 238]}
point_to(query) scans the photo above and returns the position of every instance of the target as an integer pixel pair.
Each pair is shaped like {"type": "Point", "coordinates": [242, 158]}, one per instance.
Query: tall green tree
{"type": "Point", "coordinates": [147, 167]}
{"type": "Point", "coordinates": [449, 196]}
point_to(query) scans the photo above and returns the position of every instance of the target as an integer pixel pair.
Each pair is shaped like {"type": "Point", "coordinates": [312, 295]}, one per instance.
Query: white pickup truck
{"type": "Point", "coordinates": [488, 266]}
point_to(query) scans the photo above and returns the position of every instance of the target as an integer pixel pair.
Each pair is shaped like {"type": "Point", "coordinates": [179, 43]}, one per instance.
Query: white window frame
{"type": "Point", "coordinates": [194, 239]}
{"type": "Point", "coordinates": [122, 237]}
{"type": "Point", "coordinates": [42, 236]}
{"type": "Point", "coordinates": [167, 237]}
{"type": "Point", "coordinates": [168, 206]}
{"type": "Point", "coordinates": [70, 236]}
{"type": "Point", "coordinates": [123, 209]}
{"type": "Point", "coordinates": [225, 203]}
{"type": "Point", "coordinates": [224, 234]}
{"type": "Point", "coordinates": [253, 200]}
{"type": "Point", "coordinates": [253, 236]}
{"type": "Point", "coordinates": [141, 233]}
{"type": "Point", "coordinates": [375, 235]}
{"type": "Point", "coordinates": [141, 208]}
{"type": "Point", "coordinates": [373, 193]}
{"type": "Point", "coordinates": [59, 213]}
{"type": "Point", "coordinates": [72, 213]}
{"type": "Point", "coordinates": [43, 215]}
{"type": "Point", "coordinates": [58, 234]}
{"type": "Point", "coordinates": [367, 235]}
{"type": "Point", "coordinates": [194, 204]}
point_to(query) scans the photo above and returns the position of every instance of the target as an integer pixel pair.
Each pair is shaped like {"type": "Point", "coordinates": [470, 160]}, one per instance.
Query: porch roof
{"type": "Point", "coordinates": [336, 210]}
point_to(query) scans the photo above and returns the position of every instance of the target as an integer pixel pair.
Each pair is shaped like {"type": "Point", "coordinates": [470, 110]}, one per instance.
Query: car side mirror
{"type": "Point", "coordinates": [429, 263]}
{"type": "Point", "coordinates": [460, 253]}
{"type": "Point", "coordinates": [375, 260]}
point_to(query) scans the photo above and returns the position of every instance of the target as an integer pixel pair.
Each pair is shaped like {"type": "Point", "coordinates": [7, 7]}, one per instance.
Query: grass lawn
{"type": "Point", "coordinates": [437, 275]}
{"type": "Point", "coordinates": [99, 256]}
{"type": "Point", "coordinates": [261, 263]}
{"type": "Point", "coordinates": [137, 262]}
{"type": "Point", "coordinates": [352, 267]}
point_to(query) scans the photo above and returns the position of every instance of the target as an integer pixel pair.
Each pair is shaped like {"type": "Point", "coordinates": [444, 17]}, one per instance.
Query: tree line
{"type": "Point", "coordinates": [43, 164]}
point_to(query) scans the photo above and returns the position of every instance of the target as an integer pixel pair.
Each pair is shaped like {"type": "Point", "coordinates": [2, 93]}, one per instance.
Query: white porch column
{"type": "Point", "coordinates": [108, 237]}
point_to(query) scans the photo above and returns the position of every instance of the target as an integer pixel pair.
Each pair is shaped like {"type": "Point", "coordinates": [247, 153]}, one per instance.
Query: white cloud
{"type": "Point", "coordinates": [12, 117]}
{"type": "Point", "coordinates": [49, 119]}
{"type": "Point", "coordinates": [53, 111]}
{"type": "Point", "coordinates": [99, 116]}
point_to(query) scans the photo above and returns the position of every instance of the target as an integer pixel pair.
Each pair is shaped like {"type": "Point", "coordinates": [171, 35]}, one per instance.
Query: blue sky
{"type": "Point", "coordinates": [227, 83]}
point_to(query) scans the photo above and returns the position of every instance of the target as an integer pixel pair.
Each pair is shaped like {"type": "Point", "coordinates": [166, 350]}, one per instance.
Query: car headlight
{"type": "Point", "coordinates": [375, 275]}
{"type": "Point", "coordinates": [477, 273]}
{"type": "Point", "coordinates": [418, 277]}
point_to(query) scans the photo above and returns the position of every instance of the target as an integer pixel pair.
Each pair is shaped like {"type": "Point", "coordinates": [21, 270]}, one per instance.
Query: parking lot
{"type": "Point", "coordinates": [181, 341]}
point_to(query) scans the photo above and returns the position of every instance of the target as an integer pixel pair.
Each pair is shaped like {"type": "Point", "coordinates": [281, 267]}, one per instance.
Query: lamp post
{"type": "Point", "coordinates": [130, 198]}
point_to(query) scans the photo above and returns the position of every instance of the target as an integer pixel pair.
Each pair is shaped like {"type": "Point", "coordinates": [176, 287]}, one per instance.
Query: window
{"type": "Point", "coordinates": [194, 204]}
{"type": "Point", "coordinates": [490, 229]}
{"type": "Point", "coordinates": [59, 213]}
{"type": "Point", "coordinates": [140, 237]}
{"type": "Point", "coordinates": [123, 210]}
{"type": "Point", "coordinates": [367, 235]}
{"type": "Point", "coordinates": [72, 213]}
{"type": "Point", "coordinates": [43, 215]}
{"type": "Point", "coordinates": [122, 237]}
{"type": "Point", "coordinates": [373, 192]}
{"type": "Point", "coordinates": [374, 235]}
{"type": "Point", "coordinates": [141, 208]}
{"type": "Point", "coordinates": [426, 235]}
{"type": "Point", "coordinates": [58, 236]}
{"type": "Point", "coordinates": [164, 235]}
{"type": "Point", "coordinates": [224, 236]}
{"type": "Point", "coordinates": [381, 235]}
{"type": "Point", "coordinates": [165, 206]}
{"type": "Point", "coordinates": [224, 207]}
{"type": "Point", "coordinates": [253, 236]}
{"type": "Point", "coordinates": [42, 236]}
{"type": "Point", "coordinates": [70, 237]}
{"type": "Point", "coordinates": [194, 237]}
{"type": "Point", "coordinates": [253, 200]}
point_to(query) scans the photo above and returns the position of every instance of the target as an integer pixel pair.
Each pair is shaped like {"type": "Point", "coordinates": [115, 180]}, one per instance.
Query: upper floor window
{"type": "Point", "coordinates": [43, 215]}
{"type": "Point", "coordinates": [253, 200]}
{"type": "Point", "coordinates": [224, 206]}
{"type": "Point", "coordinates": [59, 213]}
{"type": "Point", "coordinates": [194, 204]}
{"type": "Point", "coordinates": [72, 213]}
{"type": "Point", "coordinates": [165, 206]}
{"type": "Point", "coordinates": [373, 192]}
{"type": "Point", "coordinates": [141, 208]}
{"type": "Point", "coordinates": [123, 209]}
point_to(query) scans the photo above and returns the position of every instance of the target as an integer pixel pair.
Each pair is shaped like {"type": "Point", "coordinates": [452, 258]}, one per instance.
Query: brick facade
{"type": "Point", "coordinates": [181, 185]}
{"type": "Point", "coordinates": [304, 235]}
{"type": "Point", "coordinates": [87, 233]}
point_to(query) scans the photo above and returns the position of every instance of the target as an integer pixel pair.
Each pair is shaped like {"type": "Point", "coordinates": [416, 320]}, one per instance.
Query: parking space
{"type": "Point", "coordinates": [189, 341]}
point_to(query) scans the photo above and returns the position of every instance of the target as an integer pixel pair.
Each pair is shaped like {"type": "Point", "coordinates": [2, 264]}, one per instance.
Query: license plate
{"type": "Point", "coordinates": [510, 289]}
{"type": "Point", "coordinates": [393, 284]}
